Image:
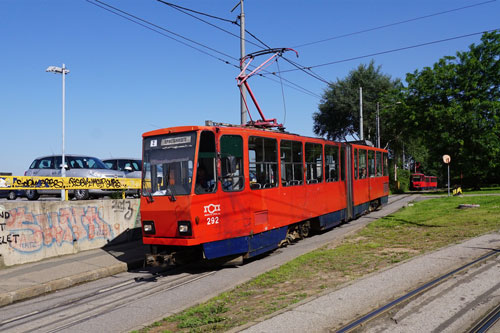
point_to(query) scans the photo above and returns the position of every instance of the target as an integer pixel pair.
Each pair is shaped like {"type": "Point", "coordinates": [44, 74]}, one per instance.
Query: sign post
{"type": "Point", "coordinates": [447, 160]}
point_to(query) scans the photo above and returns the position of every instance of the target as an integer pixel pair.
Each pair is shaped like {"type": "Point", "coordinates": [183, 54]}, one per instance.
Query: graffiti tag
{"type": "Point", "coordinates": [123, 206]}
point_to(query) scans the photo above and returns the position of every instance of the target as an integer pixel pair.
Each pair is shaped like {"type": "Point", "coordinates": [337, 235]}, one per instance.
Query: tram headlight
{"type": "Point", "coordinates": [184, 228]}
{"type": "Point", "coordinates": [148, 227]}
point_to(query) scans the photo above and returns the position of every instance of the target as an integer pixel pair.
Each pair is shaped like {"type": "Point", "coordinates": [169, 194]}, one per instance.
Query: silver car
{"type": "Point", "coordinates": [76, 166]}
{"type": "Point", "coordinates": [132, 167]}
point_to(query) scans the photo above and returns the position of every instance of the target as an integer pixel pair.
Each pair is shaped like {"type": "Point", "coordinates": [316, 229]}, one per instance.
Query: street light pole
{"type": "Point", "coordinates": [62, 70]}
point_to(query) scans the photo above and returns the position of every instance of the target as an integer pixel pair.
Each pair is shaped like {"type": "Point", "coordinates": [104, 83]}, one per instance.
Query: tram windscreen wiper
{"type": "Point", "coordinates": [169, 188]}
{"type": "Point", "coordinates": [149, 196]}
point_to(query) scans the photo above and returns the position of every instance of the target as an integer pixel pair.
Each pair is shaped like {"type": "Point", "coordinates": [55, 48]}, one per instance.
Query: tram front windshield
{"type": "Point", "coordinates": [168, 164]}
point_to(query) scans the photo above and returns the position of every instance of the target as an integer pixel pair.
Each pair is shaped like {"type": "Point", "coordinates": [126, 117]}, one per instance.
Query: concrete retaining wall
{"type": "Point", "coordinates": [32, 231]}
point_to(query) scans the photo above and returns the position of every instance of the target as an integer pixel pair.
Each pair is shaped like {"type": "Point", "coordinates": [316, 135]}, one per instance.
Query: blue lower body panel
{"type": "Point", "coordinates": [250, 245]}
{"type": "Point", "coordinates": [361, 209]}
{"type": "Point", "coordinates": [384, 200]}
{"type": "Point", "coordinates": [331, 220]}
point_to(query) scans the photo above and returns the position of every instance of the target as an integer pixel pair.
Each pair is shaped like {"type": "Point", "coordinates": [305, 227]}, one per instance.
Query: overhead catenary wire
{"type": "Point", "coordinates": [186, 10]}
{"type": "Point", "coordinates": [115, 9]}
{"type": "Point", "coordinates": [392, 24]}
{"type": "Point", "coordinates": [153, 27]}
{"type": "Point", "coordinates": [391, 51]}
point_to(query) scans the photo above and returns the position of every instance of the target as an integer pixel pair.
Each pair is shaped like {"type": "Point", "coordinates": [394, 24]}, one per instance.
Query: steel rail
{"type": "Point", "coordinates": [487, 321]}
{"type": "Point", "coordinates": [375, 313]}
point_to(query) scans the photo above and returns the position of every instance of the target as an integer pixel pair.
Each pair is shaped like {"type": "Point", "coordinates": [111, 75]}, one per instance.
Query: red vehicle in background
{"type": "Point", "coordinates": [419, 181]}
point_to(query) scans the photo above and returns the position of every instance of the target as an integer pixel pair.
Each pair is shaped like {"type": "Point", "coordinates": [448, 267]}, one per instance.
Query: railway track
{"type": "Point", "coordinates": [74, 311]}
{"type": "Point", "coordinates": [482, 326]}
{"type": "Point", "coordinates": [487, 321]}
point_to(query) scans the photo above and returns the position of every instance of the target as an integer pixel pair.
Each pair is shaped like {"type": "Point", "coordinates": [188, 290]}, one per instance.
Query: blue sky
{"type": "Point", "coordinates": [126, 80]}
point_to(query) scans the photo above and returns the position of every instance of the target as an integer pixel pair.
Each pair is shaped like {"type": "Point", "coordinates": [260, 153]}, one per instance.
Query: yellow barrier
{"type": "Point", "coordinates": [68, 183]}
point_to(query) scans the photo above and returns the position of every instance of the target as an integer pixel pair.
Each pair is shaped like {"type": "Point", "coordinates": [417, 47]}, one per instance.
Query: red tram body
{"type": "Point", "coordinates": [236, 190]}
{"type": "Point", "coordinates": [419, 181]}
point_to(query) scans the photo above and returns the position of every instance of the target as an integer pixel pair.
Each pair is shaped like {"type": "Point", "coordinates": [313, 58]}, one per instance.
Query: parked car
{"type": "Point", "coordinates": [132, 167]}
{"type": "Point", "coordinates": [12, 194]}
{"type": "Point", "coordinates": [76, 166]}
{"type": "Point", "coordinates": [5, 192]}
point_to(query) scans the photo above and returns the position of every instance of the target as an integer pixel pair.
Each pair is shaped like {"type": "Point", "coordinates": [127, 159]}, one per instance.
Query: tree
{"type": "Point", "coordinates": [454, 109]}
{"type": "Point", "coordinates": [338, 115]}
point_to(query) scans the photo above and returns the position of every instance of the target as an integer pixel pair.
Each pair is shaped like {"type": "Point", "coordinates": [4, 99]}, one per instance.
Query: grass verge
{"type": "Point", "coordinates": [422, 227]}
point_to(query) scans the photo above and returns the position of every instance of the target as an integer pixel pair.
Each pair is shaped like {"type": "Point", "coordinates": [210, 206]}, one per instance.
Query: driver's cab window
{"type": "Point", "coordinates": [231, 153]}
{"type": "Point", "coordinates": [206, 181]}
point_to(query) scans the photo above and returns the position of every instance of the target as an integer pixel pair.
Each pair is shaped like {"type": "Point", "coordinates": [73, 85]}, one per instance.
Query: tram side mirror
{"type": "Point", "coordinates": [65, 166]}
{"type": "Point", "coordinates": [128, 168]}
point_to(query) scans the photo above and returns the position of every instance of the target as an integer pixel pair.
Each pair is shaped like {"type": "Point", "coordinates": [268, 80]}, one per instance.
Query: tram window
{"type": "Point", "coordinates": [362, 164]}
{"type": "Point", "coordinates": [231, 150]}
{"type": "Point", "coordinates": [263, 162]}
{"type": "Point", "coordinates": [206, 181]}
{"type": "Point", "coordinates": [331, 163]}
{"type": "Point", "coordinates": [379, 163]}
{"type": "Point", "coordinates": [386, 165]}
{"type": "Point", "coordinates": [342, 163]}
{"type": "Point", "coordinates": [291, 163]}
{"type": "Point", "coordinates": [169, 164]}
{"type": "Point", "coordinates": [314, 163]}
{"type": "Point", "coordinates": [371, 163]}
{"type": "Point", "coordinates": [356, 163]}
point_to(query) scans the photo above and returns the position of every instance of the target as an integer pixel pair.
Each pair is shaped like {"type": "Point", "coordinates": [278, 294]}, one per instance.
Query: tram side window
{"type": "Point", "coordinates": [379, 163]}
{"type": "Point", "coordinates": [371, 163]}
{"type": "Point", "coordinates": [342, 163]}
{"type": "Point", "coordinates": [356, 163]}
{"type": "Point", "coordinates": [386, 165]}
{"type": "Point", "coordinates": [206, 181]}
{"type": "Point", "coordinates": [314, 162]}
{"type": "Point", "coordinates": [291, 163]}
{"type": "Point", "coordinates": [231, 150]}
{"type": "Point", "coordinates": [263, 162]}
{"type": "Point", "coordinates": [362, 164]}
{"type": "Point", "coordinates": [331, 163]}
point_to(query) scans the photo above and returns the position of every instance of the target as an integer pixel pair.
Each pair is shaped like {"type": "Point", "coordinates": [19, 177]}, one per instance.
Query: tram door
{"type": "Point", "coordinates": [348, 180]}
{"type": "Point", "coordinates": [234, 204]}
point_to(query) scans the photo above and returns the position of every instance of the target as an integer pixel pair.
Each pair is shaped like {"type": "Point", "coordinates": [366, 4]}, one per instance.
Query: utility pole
{"type": "Point", "coordinates": [243, 109]}
{"type": "Point", "coordinates": [378, 125]}
{"type": "Point", "coordinates": [361, 113]}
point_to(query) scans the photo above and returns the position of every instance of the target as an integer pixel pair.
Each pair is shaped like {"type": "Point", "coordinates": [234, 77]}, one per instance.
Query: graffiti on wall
{"type": "Point", "coordinates": [123, 206]}
{"type": "Point", "coordinates": [28, 232]}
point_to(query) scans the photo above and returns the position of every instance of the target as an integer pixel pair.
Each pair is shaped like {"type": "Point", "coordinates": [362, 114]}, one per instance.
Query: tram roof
{"type": "Point", "coordinates": [247, 129]}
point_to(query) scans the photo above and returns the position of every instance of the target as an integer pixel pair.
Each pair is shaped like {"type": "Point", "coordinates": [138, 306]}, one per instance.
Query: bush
{"type": "Point", "coordinates": [402, 184]}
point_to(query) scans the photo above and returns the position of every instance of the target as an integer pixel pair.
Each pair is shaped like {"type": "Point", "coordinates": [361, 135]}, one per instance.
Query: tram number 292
{"type": "Point", "coordinates": [212, 220]}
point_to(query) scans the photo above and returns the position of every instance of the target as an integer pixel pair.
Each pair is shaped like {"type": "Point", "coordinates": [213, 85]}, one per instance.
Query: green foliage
{"type": "Point", "coordinates": [402, 184]}
{"type": "Point", "coordinates": [454, 108]}
{"type": "Point", "coordinates": [204, 314]}
{"type": "Point", "coordinates": [338, 114]}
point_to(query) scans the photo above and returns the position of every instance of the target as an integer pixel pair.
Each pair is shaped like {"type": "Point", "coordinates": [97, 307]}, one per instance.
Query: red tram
{"type": "Point", "coordinates": [225, 190]}
{"type": "Point", "coordinates": [419, 181]}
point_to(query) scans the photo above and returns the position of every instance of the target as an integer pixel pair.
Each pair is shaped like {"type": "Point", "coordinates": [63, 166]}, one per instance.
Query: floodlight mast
{"type": "Point", "coordinates": [242, 80]}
